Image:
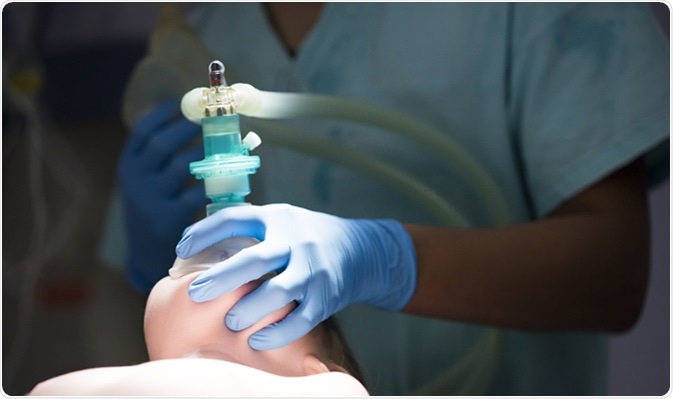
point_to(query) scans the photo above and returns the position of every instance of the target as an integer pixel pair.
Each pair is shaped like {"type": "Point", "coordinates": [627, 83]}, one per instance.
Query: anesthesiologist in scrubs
{"type": "Point", "coordinates": [566, 107]}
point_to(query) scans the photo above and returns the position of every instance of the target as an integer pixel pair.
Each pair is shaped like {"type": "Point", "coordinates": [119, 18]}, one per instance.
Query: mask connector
{"type": "Point", "coordinates": [227, 164]}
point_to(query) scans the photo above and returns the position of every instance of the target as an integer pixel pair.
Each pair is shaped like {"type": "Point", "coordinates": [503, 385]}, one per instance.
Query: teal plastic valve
{"type": "Point", "coordinates": [227, 165]}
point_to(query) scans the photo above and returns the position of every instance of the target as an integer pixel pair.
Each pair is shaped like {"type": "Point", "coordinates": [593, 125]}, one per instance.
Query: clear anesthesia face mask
{"type": "Point", "coordinates": [210, 256]}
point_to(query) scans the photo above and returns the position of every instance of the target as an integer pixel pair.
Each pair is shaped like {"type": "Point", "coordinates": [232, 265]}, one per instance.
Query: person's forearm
{"type": "Point", "coordinates": [584, 267]}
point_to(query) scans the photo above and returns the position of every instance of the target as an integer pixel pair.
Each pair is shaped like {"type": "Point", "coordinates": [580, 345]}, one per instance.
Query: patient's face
{"type": "Point", "coordinates": [177, 327]}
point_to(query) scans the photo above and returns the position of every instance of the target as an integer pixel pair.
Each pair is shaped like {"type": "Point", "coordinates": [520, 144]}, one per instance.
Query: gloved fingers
{"type": "Point", "coordinates": [193, 198]}
{"type": "Point", "coordinates": [247, 265]}
{"type": "Point", "coordinates": [179, 165]}
{"type": "Point", "coordinates": [270, 296]}
{"type": "Point", "coordinates": [160, 116]}
{"type": "Point", "coordinates": [294, 326]}
{"type": "Point", "coordinates": [163, 145]}
{"type": "Point", "coordinates": [171, 181]}
{"type": "Point", "coordinates": [242, 221]}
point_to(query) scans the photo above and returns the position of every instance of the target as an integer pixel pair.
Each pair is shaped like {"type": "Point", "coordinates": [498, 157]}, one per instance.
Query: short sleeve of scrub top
{"type": "Point", "coordinates": [590, 93]}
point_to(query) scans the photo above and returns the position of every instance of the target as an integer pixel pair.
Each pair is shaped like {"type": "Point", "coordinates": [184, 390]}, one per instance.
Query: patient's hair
{"type": "Point", "coordinates": [338, 350]}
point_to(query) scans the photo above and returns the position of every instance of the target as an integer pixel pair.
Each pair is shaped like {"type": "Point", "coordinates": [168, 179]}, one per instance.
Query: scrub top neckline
{"type": "Point", "coordinates": [306, 45]}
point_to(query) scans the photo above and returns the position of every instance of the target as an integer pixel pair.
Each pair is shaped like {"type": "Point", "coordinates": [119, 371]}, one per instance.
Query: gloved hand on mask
{"type": "Point", "coordinates": [158, 199]}
{"type": "Point", "coordinates": [324, 263]}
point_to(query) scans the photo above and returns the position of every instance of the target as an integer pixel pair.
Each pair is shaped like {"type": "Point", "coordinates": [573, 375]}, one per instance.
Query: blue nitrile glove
{"type": "Point", "coordinates": [158, 199]}
{"type": "Point", "coordinates": [325, 264]}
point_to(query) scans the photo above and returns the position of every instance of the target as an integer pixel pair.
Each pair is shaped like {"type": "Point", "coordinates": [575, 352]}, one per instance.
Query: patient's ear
{"type": "Point", "coordinates": [313, 365]}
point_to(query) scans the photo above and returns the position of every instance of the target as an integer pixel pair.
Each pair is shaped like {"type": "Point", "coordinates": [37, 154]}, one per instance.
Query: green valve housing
{"type": "Point", "coordinates": [227, 164]}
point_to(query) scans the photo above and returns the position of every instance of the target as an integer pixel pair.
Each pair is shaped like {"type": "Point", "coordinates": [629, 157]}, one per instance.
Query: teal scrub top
{"type": "Point", "coordinates": [547, 97]}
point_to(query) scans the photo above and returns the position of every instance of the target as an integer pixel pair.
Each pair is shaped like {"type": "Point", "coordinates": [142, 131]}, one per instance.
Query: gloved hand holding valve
{"type": "Point", "coordinates": [324, 263]}
{"type": "Point", "coordinates": [159, 197]}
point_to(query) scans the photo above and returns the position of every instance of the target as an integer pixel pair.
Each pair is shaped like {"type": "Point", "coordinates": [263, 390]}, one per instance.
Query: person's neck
{"type": "Point", "coordinates": [293, 21]}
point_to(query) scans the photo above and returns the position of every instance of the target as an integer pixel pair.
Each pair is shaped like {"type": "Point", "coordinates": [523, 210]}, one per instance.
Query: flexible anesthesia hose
{"type": "Point", "coordinates": [276, 105]}
{"type": "Point", "coordinates": [379, 170]}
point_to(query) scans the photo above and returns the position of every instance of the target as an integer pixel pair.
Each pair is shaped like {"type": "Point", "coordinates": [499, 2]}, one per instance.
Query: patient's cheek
{"type": "Point", "coordinates": [175, 325]}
